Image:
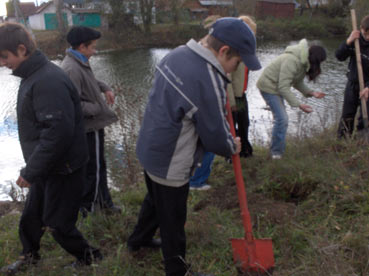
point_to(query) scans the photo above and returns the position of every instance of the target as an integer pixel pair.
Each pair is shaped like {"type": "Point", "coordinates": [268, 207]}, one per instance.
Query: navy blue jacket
{"type": "Point", "coordinates": [185, 114]}
{"type": "Point", "coordinates": [50, 125]}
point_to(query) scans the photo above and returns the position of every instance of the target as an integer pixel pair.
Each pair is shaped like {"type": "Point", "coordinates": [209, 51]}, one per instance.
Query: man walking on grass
{"type": "Point", "coordinates": [54, 147]}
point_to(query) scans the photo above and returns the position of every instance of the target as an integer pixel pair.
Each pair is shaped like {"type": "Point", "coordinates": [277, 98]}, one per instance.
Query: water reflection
{"type": "Point", "coordinates": [131, 74]}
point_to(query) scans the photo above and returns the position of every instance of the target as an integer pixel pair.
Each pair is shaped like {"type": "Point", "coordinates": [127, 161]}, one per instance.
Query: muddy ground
{"type": "Point", "coordinates": [7, 207]}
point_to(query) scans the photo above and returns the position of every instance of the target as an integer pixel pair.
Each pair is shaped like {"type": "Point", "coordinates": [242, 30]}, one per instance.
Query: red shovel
{"type": "Point", "coordinates": [252, 256]}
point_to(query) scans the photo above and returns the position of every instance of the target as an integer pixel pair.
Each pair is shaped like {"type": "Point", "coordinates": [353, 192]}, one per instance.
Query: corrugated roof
{"type": "Point", "coordinates": [43, 6]}
{"type": "Point", "coordinates": [278, 1]}
{"type": "Point", "coordinates": [79, 10]}
{"type": "Point", "coordinates": [216, 2]}
{"type": "Point", "coordinates": [74, 1]}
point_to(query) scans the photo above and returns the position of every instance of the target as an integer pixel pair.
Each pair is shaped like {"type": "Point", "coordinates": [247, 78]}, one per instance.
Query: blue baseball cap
{"type": "Point", "coordinates": [237, 34]}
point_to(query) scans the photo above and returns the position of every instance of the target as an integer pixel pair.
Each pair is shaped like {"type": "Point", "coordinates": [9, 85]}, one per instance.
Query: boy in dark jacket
{"type": "Point", "coordinates": [54, 147]}
{"type": "Point", "coordinates": [184, 117]}
{"type": "Point", "coordinates": [351, 99]}
{"type": "Point", "coordinates": [96, 114]}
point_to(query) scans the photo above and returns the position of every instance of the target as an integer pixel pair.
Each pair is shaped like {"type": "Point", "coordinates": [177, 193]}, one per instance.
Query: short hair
{"type": "Point", "coordinates": [249, 21]}
{"type": "Point", "coordinates": [12, 35]}
{"type": "Point", "coordinates": [216, 44]}
{"type": "Point", "coordinates": [365, 23]}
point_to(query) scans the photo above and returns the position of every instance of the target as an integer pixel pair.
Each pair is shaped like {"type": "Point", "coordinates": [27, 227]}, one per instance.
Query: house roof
{"type": "Point", "coordinates": [199, 10]}
{"type": "Point", "coordinates": [27, 9]}
{"type": "Point", "coordinates": [79, 10]}
{"type": "Point", "coordinates": [216, 2]}
{"type": "Point", "coordinates": [44, 6]}
{"type": "Point", "coordinates": [74, 1]}
{"type": "Point", "coordinates": [278, 1]}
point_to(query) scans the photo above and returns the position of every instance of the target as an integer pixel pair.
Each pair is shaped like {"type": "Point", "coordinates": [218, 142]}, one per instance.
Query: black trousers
{"type": "Point", "coordinates": [53, 202]}
{"type": "Point", "coordinates": [164, 207]}
{"type": "Point", "coordinates": [242, 123]}
{"type": "Point", "coordinates": [351, 103]}
{"type": "Point", "coordinates": [96, 189]}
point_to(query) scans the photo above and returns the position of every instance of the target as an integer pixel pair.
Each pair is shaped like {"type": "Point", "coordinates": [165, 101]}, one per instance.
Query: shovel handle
{"type": "Point", "coordinates": [359, 69]}
{"type": "Point", "coordinates": [241, 191]}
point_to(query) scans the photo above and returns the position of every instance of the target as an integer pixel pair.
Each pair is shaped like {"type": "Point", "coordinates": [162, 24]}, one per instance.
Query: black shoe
{"type": "Point", "coordinates": [96, 257]}
{"type": "Point", "coordinates": [22, 263]}
{"type": "Point", "coordinates": [154, 243]}
{"type": "Point", "coordinates": [93, 257]}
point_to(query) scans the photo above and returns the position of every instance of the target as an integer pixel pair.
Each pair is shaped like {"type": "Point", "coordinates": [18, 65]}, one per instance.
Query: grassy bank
{"type": "Point", "coordinates": [162, 35]}
{"type": "Point", "coordinates": [314, 204]}
{"type": "Point", "coordinates": [314, 26]}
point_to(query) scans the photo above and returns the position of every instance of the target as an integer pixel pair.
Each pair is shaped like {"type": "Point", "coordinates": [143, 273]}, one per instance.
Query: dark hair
{"type": "Point", "coordinates": [317, 55]}
{"type": "Point", "coordinates": [365, 23]}
{"type": "Point", "coordinates": [216, 44]}
{"type": "Point", "coordinates": [12, 35]}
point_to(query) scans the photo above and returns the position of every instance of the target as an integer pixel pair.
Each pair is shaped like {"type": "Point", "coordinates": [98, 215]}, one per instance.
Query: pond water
{"type": "Point", "coordinates": [131, 74]}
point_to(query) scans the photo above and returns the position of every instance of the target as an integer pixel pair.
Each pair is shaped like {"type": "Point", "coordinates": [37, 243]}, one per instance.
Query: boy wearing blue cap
{"type": "Point", "coordinates": [184, 117]}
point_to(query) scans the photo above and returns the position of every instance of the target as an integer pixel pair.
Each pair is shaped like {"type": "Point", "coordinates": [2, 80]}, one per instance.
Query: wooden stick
{"type": "Point", "coordinates": [359, 69]}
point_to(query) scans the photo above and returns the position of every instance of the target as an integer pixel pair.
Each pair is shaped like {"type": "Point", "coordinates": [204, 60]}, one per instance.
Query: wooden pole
{"type": "Point", "coordinates": [359, 69]}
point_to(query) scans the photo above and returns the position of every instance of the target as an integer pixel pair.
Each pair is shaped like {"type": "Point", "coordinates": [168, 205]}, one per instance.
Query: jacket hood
{"type": "Point", "coordinates": [301, 51]}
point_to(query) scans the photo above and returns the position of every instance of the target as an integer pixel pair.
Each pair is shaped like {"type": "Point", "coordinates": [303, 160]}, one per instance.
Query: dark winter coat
{"type": "Point", "coordinates": [50, 121]}
{"type": "Point", "coordinates": [344, 51]}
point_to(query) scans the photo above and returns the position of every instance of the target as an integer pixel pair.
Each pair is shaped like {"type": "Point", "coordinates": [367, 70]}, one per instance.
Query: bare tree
{"type": "Point", "coordinates": [146, 14]}
{"type": "Point", "coordinates": [235, 11]}
{"type": "Point", "coordinates": [174, 5]}
{"type": "Point", "coordinates": [62, 27]}
{"type": "Point", "coordinates": [21, 18]}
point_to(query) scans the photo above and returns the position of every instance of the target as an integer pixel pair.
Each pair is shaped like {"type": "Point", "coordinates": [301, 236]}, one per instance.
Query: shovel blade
{"type": "Point", "coordinates": [253, 256]}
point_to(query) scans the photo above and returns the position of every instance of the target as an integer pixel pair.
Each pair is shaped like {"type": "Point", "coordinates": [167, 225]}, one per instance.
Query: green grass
{"type": "Point", "coordinates": [314, 204]}
{"type": "Point", "coordinates": [312, 27]}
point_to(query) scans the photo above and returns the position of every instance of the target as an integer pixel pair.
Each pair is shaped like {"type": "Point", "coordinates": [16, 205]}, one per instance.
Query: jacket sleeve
{"type": "Point", "coordinates": [88, 108]}
{"type": "Point", "coordinates": [344, 51]}
{"type": "Point", "coordinates": [210, 120]}
{"type": "Point", "coordinates": [103, 86]}
{"type": "Point", "coordinates": [55, 114]}
{"type": "Point", "coordinates": [303, 88]}
{"type": "Point", "coordinates": [285, 80]}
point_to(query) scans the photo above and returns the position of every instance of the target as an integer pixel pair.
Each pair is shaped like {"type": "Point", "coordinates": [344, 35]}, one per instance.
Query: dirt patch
{"type": "Point", "coordinates": [276, 212]}
{"type": "Point", "coordinates": [225, 197]}
{"type": "Point", "coordinates": [7, 207]}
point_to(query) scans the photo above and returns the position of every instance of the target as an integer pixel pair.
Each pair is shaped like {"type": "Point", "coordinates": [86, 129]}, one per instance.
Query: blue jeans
{"type": "Point", "coordinates": [280, 122]}
{"type": "Point", "coordinates": [202, 173]}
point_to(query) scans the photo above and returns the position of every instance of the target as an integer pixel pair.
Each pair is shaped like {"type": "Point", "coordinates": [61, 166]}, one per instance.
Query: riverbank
{"type": "Point", "coordinates": [314, 204]}
{"type": "Point", "coordinates": [168, 35]}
